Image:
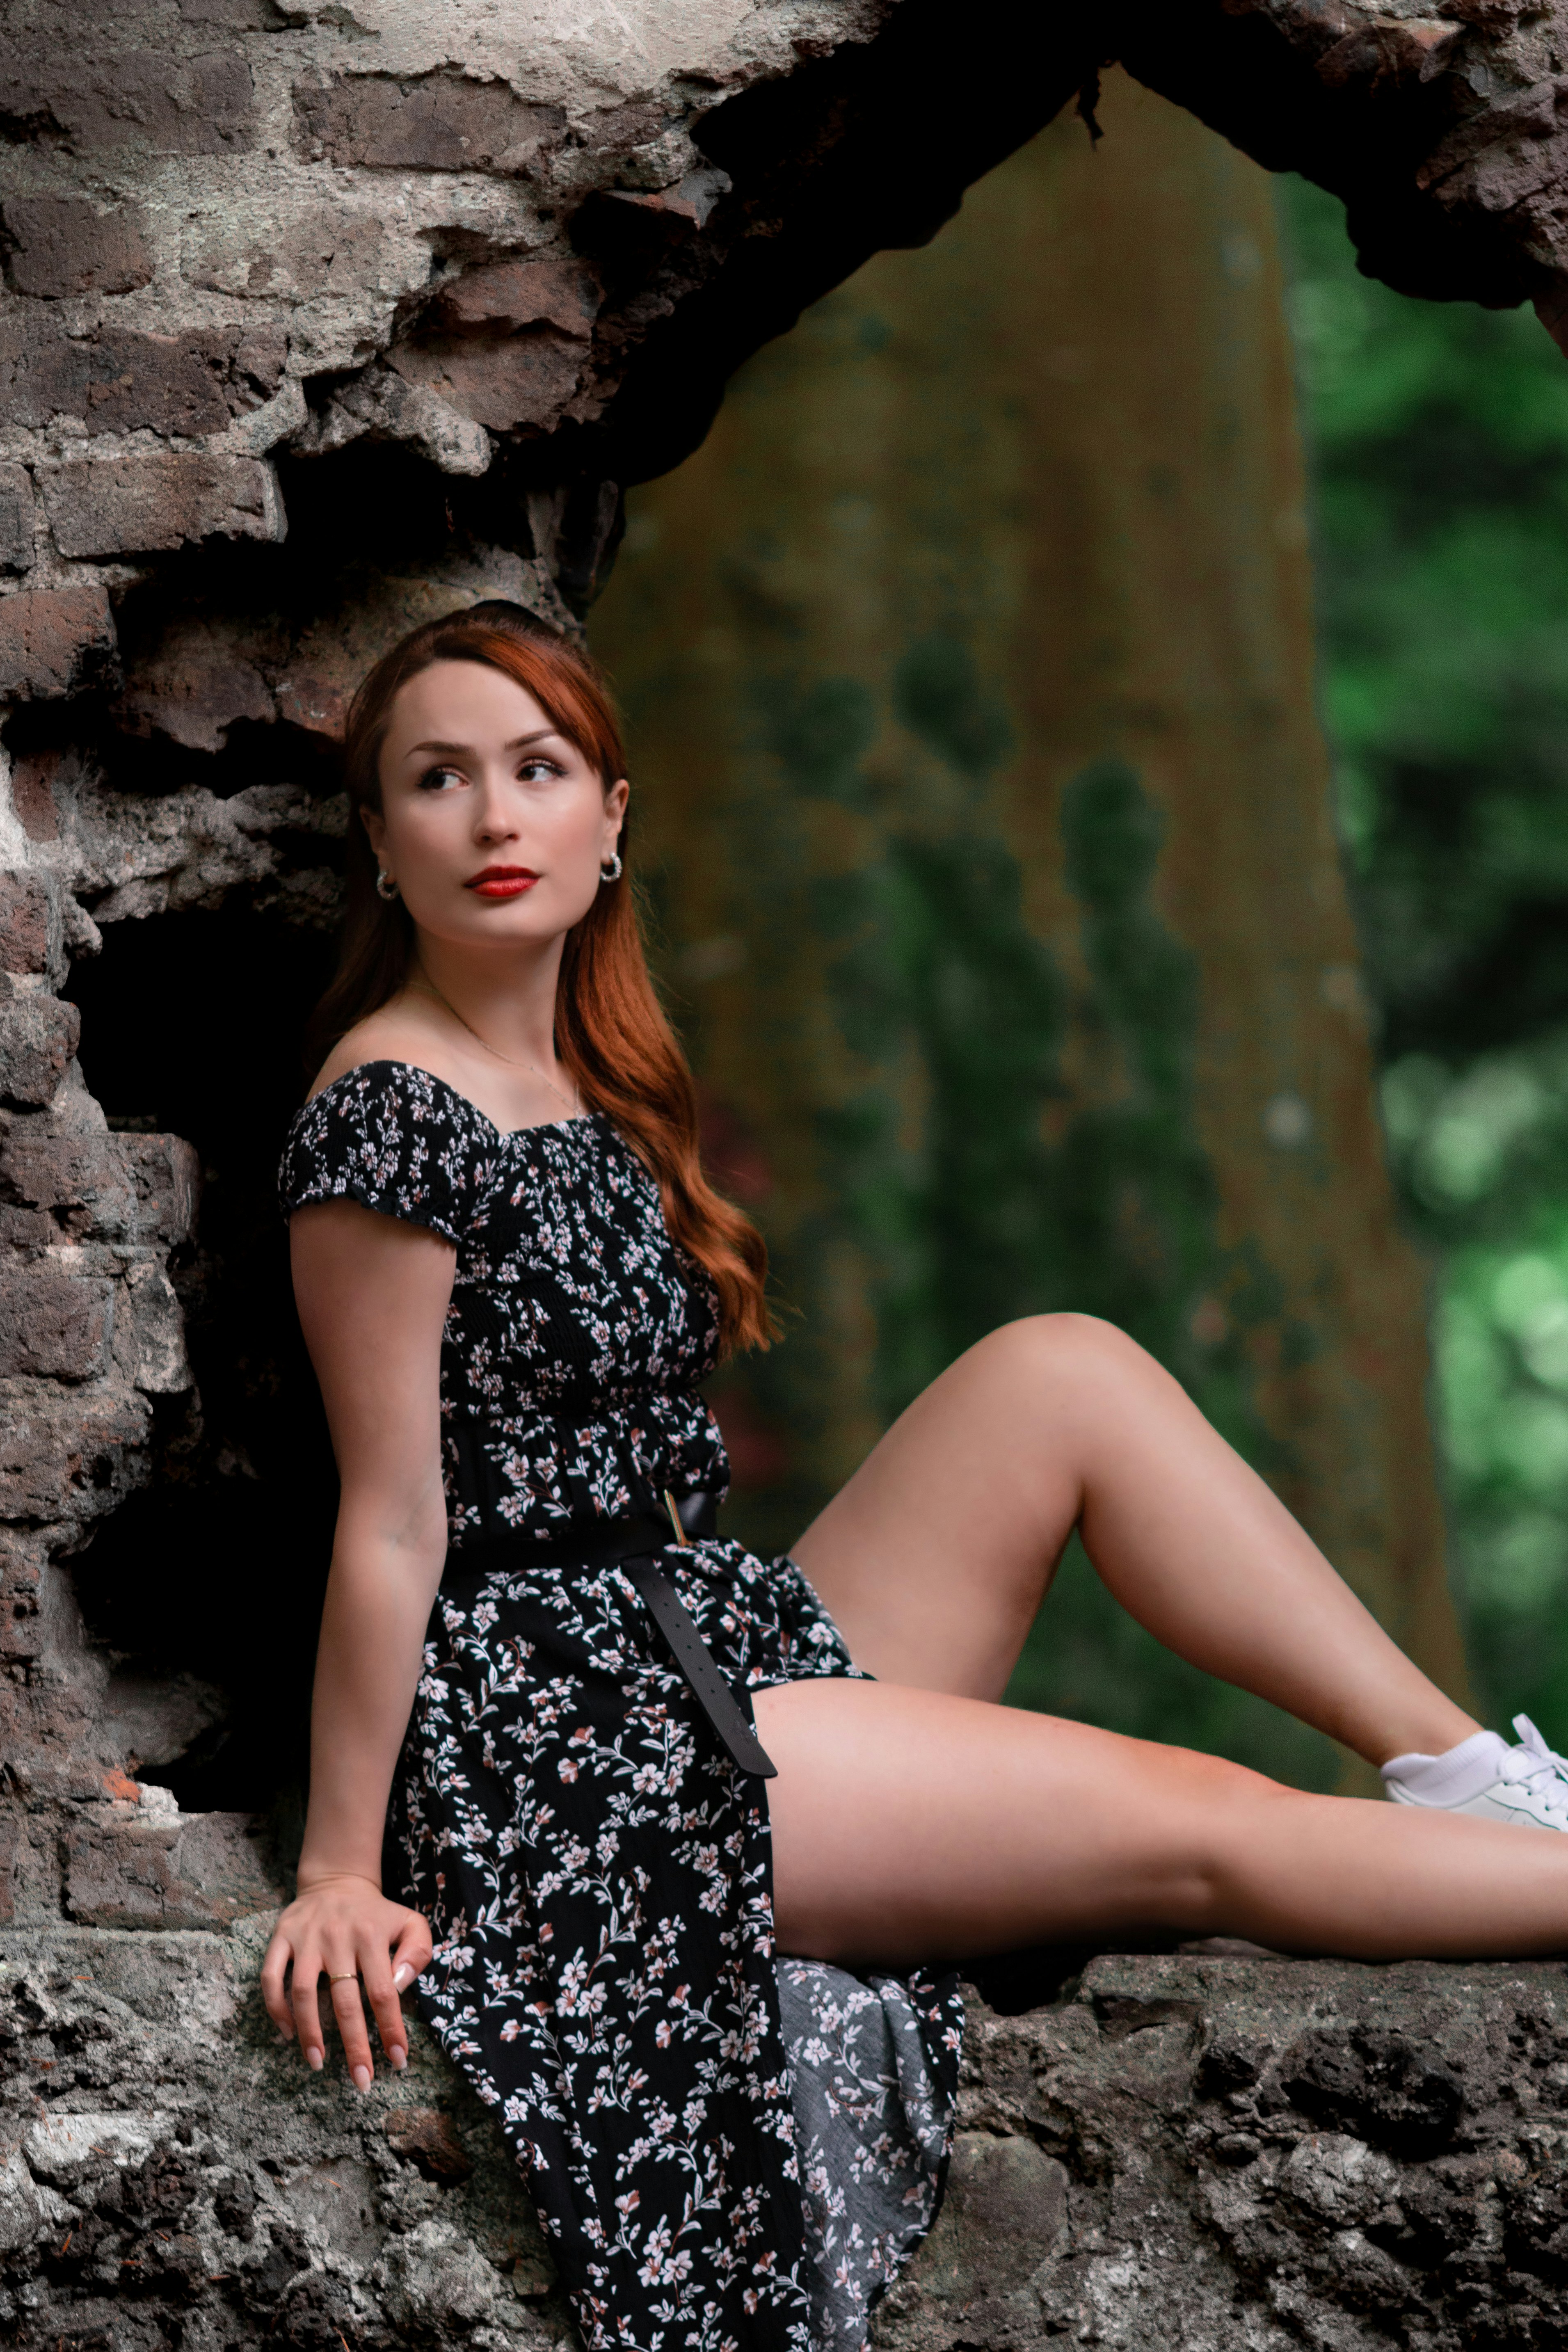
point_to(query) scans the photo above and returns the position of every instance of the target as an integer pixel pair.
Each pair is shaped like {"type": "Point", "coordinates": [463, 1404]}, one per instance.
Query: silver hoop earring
{"type": "Point", "coordinates": [385, 887]}
{"type": "Point", "coordinates": [612, 872]}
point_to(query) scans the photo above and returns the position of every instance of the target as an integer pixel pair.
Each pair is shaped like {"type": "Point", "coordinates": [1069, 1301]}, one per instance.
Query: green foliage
{"type": "Point", "coordinates": [1439, 441]}
{"type": "Point", "coordinates": [819, 737]}
{"type": "Point", "coordinates": [1438, 438]}
{"type": "Point", "coordinates": [937, 694]}
{"type": "Point", "coordinates": [970, 1211]}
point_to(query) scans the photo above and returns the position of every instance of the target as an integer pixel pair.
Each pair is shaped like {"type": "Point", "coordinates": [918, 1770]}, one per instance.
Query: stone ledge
{"type": "Point", "coordinates": [1220, 2153]}
{"type": "Point", "coordinates": [170, 2173]}
{"type": "Point", "coordinates": [1247, 2155]}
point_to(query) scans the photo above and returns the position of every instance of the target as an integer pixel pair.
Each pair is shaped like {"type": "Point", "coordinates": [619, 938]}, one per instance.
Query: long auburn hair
{"type": "Point", "coordinates": [611, 1032]}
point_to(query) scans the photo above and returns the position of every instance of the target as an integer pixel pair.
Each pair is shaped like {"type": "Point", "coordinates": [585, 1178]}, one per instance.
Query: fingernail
{"type": "Point", "coordinates": [398, 2060]}
{"type": "Point", "coordinates": [315, 2058]}
{"type": "Point", "coordinates": [401, 1975]}
{"type": "Point", "coordinates": [361, 2078]}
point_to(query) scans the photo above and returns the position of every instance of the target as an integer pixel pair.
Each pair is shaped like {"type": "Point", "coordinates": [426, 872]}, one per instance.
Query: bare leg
{"type": "Point", "coordinates": [909, 1825]}
{"type": "Point", "coordinates": [935, 1556]}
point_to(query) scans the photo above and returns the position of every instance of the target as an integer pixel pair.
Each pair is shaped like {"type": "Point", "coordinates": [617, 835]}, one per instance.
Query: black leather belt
{"type": "Point", "coordinates": [633, 1544]}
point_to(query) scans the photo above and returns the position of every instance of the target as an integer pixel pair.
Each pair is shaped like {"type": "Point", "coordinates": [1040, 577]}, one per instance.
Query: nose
{"type": "Point", "coordinates": [495, 818]}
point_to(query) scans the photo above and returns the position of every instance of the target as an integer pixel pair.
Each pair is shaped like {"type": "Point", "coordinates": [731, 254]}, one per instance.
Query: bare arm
{"type": "Point", "coordinates": [373, 1294]}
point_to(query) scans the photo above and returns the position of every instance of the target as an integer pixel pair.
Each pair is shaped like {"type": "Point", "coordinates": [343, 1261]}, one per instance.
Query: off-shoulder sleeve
{"type": "Point", "coordinates": [395, 1138]}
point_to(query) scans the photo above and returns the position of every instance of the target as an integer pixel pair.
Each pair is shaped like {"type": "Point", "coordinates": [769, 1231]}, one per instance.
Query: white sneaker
{"type": "Point", "coordinates": [1484, 1776]}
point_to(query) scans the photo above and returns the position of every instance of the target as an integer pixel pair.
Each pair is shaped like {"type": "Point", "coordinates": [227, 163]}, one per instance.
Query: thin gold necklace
{"type": "Point", "coordinates": [427, 988]}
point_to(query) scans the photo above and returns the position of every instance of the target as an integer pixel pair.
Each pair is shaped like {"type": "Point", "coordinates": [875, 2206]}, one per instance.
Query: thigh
{"type": "Point", "coordinates": [912, 1825]}
{"type": "Point", "coordinates": [933, 1557]}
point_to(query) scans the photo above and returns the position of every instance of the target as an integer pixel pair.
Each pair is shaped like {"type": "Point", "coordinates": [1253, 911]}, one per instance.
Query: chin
{"type": "Point", "coordinates": [481, 922]}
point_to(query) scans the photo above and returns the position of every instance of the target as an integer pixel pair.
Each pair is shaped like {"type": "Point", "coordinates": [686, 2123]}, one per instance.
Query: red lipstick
{"type": "Point", "coordinates": [501, 881]}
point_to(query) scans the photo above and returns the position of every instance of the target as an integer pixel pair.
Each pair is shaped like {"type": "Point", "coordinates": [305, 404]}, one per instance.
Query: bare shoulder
{"type": "Point", "coordinates": [397, 1032]}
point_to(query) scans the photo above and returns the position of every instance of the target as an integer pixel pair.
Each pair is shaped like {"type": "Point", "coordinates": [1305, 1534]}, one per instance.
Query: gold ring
{"type": "Point", "coordinates": [345, 1976]}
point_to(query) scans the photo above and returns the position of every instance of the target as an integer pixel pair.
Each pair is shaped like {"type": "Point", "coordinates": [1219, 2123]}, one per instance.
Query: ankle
{"type": "Point", "coordinates": [1431, 1731]}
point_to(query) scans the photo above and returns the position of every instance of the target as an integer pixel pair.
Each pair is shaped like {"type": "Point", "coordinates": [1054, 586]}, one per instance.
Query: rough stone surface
{"type": "Point", "coordinates": [131, 1864]}
{"type": "Point", "coordinates": [1210, 2153]}
{"type": "Point", "coordinates": [37, 1039]}
{"type": "Point", "coordinates": [52, 639]}
{"type": "Point", "coordinates": [25, 912]}
{"type": "Point", "coordinates": [167, 2169]}
{"type": "Point", "coordinates": [64, 245]}
{"type": "Point", "coordinates": [1220, 2153]}
{"type": "Point", "coordinates": [120, 506]}
{"type": "Point", "coordinates": [18, 518]}
{"type": "Point", "coordinates": [52, 1323]}
{"type": "Point", "coordinates": [1445, 128]}
{"type": "Point", "coordinates": [237, 231]}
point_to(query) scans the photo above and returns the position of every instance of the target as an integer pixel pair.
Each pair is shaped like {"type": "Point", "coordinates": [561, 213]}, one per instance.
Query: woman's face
{"type": "Point", "coordinates": [493, 825]}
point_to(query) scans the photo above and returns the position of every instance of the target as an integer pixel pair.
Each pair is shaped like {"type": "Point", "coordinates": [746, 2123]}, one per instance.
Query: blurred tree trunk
{"type": "Point", "coordinates": [986, 809]}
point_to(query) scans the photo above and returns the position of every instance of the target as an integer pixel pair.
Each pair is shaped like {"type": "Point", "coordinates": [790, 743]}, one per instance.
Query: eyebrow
{"type": "Point", "coordinates": [517, 744]}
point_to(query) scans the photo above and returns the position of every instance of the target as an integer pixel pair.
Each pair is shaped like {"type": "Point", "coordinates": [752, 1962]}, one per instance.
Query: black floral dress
{"type": "Point", "coordinates": [727, 2149]}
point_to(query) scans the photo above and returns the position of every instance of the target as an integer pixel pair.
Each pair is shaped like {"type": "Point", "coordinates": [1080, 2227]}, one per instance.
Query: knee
{"type": "Point", "coordinates": [1065, 1346]}
{"type": "Point", "coordinates": [1229, 1817]}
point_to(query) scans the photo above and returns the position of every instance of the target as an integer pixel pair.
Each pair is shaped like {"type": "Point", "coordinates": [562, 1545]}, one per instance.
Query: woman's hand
{"type": "Point", "coordinates": [343, 1926]}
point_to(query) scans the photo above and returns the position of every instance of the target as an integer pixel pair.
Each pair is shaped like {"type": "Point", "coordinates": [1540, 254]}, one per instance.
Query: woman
{"type": "Point", "coordinates": [511, 1275]}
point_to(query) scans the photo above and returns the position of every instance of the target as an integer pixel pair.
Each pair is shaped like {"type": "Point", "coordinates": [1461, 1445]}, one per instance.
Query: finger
{"type": "Point", "coordinates": [382, 1994]}
{"type": "Point", "coordinates": [274, 1968]}
{"type": "Point", "coordinates": [411, 1953]}
{"type": "Point", "coordinates": [349, 2011]}
{"type": "Point", "coordinates": [307, 2011]}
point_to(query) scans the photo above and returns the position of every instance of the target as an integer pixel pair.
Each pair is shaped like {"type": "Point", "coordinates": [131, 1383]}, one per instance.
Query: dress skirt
{"type": "Point", "coordinates": [727, 2149]}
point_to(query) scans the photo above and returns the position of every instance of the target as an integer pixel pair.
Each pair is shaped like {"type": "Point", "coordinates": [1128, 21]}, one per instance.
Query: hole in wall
{"type": "Point", "coordinates": [191, 1025]}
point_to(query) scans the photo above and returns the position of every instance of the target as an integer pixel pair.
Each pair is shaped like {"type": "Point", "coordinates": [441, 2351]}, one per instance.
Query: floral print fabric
{"type": "Point", "coordinates": [873, 2121]}
{"type": "Point", "coordinates": [596, 1870]}
{"type": "Point", "coordinates": [577, 1331]}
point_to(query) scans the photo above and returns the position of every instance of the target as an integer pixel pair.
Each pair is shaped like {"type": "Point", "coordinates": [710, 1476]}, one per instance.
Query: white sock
{"type": "Point", "coordinates": [1456, 1776]}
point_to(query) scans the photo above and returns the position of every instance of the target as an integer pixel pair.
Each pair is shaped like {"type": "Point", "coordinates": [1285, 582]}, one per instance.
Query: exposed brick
{"type": "Point", "coordinates": [192, 678]}
{"type": "Point", "coordinates": [199, 1870]}
{"type": "Point", "coordinates": [440, 122]}
{"type": "Point", "coordinates": [517, 342]}
{"type": "Point", "coordinates": [127, 506]}
{"type": "Point", "coordinates": [172, 106]}
{"type": "Point", "coordinates": [18, 518]}
{"type": "Point", "coordinates": [27, 1231]}
{"type": "Point", "coordinates": [84, 1177]}
{"type": "Point", "coordinates": [69, 1453]}
{"type": "Point", "coordinates": [198, 708]}
{"type": "Point", "coordinates": [53, 639]}
{"type": "Point", "coordinates": [258, 365]}
{"type": "Point", "coordinates": [33, 794]}
{"type": "Point", "coordinates": [43, 372]}
{"type": "Point", "coordinates": [497, 380]}
{"type": "Point", "coordinates": [502, 296]}
{"type": "Point", "coordinates": [166, 1173]}
{"type": "Point", "coordinates": [21, 1621]}
{"type": "Point", "coordinates": [139, 1188]}
{"type": "Point", "coordinates": [117, 381]}
{"type": "Point", "coordinates": [23, 923]}
{"type": "Point", "coordinates": [64, 245]}
{"type": "Point", "coordinates": [37, 1037]}
{"type": "Point", "coordinates": [53, 1325]}
{"type": "Point", "coordinates": [153, 1350]}
{"type": "Point", "coordinates": [169, 383]}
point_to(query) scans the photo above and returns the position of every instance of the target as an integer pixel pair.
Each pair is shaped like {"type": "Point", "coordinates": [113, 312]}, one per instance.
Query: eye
{"type": "Point", "coordinates": [538, 767]}
{"type": "Point", "coordinates": [436, 780]}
